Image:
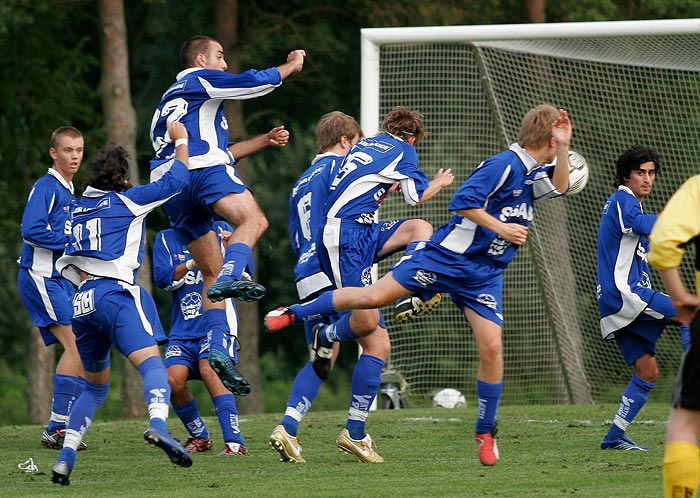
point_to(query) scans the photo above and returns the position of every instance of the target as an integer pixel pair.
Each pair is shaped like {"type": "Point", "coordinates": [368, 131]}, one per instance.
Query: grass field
{"type": "Point", "coordinates": [546, 451]}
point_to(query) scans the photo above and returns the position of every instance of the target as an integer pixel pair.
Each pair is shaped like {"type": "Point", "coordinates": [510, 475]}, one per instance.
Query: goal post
{"type": "Point", "coordinates": [623, 82]}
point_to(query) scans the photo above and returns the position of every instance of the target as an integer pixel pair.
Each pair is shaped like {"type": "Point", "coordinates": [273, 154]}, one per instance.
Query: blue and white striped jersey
{"type": "Point", "coordinates": [196, 99]}
{"type": "Point", "coordinates": [108, 232]}
{"type": "Point", "coordinates": [46, 223]}
{"type": "Point", "coordinates": [186, 310]}
{"type": "Point", "coordinates": [506, 186]}
{"type": "Point", "coordinates": [307, 203]}
{"type": "Point", "coordinates": [624, 277]}
{"type": "Point", "coordinates": [367, 173]}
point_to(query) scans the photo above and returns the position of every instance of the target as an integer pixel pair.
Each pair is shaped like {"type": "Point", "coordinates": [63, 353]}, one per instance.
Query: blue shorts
{"type": "Point", "coordinates": [187, 352]}
{"type": "Point", "coordinates": [472, 284]}
{"type": "Point", "coordinates": [48, 301]}
{"type": "Point", "coordinates": [349, 250]}
{"type": "Point", "coordinates": [190, 213]}
{"type": "Point", "coordinates": [640, 336]}
{"type": "Point", "coordinates": [108, 312]}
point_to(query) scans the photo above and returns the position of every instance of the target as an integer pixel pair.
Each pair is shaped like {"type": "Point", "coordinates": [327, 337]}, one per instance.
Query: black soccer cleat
{"type": "Point", "coordinates": [60, 474]}
{"type": "Point", "coordinates": [322, 355]}
{"type": "Point", "coordinates": [243, 290]}
{"type": "Point", "coordinates": [226, 369]}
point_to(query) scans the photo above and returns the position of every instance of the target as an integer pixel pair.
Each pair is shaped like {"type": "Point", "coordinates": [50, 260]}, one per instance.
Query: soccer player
{"type": "Point", "coordinates": [46, 295]}
{"type": "Point", "coordinates": [678, 226]}
{"type": "Point", "coordinates": [336, 133]}
{"type": "Point", "coordinates": [631, 311]}
{"type": "Point", "coordinates": [187, 351]}
{"type": "Point", "coordinates": [102, 259]}
{"type": "Point", "coordinates": [197, 100]}
{"type": "Point", "coordinates": [348, 244]}
{"type": "Point", "coordinates": [466, 257]}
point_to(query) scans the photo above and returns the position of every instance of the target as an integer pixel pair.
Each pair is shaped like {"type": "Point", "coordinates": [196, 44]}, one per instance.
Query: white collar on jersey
{"type": "Point", "coordinates": [93, 192]}
{"type": "Point", "coordinates": [187, 71]}
{"type": "Point", "coordinates": [529, 161]}
{"type": "Point", "coordinates": [57, 175]}
{"type": "Point", "coordinates": [323, 155]}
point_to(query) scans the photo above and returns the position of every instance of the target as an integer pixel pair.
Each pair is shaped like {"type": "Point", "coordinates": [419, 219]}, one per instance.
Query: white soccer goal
{"type": "Point", "coordinates": [622, 83]}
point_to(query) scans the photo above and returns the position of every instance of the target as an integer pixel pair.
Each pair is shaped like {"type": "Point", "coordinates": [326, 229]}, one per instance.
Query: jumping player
{"type": "Point", "coordinates": [197, 100]}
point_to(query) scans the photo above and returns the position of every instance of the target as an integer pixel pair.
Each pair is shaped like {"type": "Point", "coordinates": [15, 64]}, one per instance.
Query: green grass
{"type": "Point", "coordinates": [546, 451]}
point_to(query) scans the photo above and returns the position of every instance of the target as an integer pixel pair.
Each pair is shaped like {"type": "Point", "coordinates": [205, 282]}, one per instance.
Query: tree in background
{"type": "Point", "coordinates": [115, 91]}
{"type": "Point", "coordinates": [47, 81]}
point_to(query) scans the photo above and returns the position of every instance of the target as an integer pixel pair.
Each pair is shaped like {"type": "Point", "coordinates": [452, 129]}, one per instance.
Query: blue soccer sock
{"type": "Point", "coordinates": [67, 455]}
{"type": "Point", "coordinates": [192, 420]}
{"type": "Point", "coordinates": [489, 397]}
{"type": "Point", "coordinates": [85, 406]}
{"type": "Point", "coordinates": [633, 399]}
{"type": "Point", "coordinates": [66, 389]}
{"type": "Point", "coordinates": [366, 379]}
{"type": "Point", "coordinates": [227, 413]}
{"type": "Point", "coordinates": [339, 331]}
{"type": "Point", "coordinates": [156, 391]}
{"type": "Point", "coordinates": [304, 391]}
{"type": "Point", "coordinates": [321, 306]}
{"type": "Point", "coordinates": [216, 326]}
{"type": "Point", "coordinates": [237, 258]}
{"type": "Point", "coordinates": [82, 416]}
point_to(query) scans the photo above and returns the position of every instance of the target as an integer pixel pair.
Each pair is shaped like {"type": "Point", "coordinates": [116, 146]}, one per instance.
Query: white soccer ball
{"type": "Point", "coordinates": [578, 172]}
{"type": "Point", "coordinates": [449, 398]}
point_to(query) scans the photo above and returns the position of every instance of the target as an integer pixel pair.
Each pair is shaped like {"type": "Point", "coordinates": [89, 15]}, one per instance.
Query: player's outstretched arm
{"type": "Point", "coordinates": [443, 178]}
{"type": "Point", "coordinates": [277, 137]}
{"type": "Point", "coordinates": [294, 64]}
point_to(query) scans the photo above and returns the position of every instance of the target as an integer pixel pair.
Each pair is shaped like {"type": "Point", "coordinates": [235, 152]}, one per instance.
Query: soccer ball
{"type": "Point", "coordinates": [449, 398]}
{"type": "Point", "coordinates": [578, 172]}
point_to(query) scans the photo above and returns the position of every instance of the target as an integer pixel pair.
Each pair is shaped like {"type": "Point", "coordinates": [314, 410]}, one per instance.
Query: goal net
{"type": "Point", "coordinates": [622, 83]}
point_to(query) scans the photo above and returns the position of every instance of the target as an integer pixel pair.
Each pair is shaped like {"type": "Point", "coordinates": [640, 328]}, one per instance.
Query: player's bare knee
{"type": "Point", "coordinates": [177, 382]}
{"type": "Point", "coordinates": [423, 230]}
{"type": "Point", "coordinates": [363, 324]}
{"type": "Point", "coordinates": [490, 353]}
{"type": "Point", "coordinates": [650, 373]}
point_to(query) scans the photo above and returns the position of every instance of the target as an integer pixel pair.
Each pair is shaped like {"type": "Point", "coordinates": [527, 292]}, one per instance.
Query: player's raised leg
{"type": "Point", "coordinates": [242, 211]}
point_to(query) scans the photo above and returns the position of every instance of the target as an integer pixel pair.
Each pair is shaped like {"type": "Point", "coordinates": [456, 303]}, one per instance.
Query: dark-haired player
{"type": "Point", "coordinates": [631, 311]}
{"type": "Point", "coordinates": [197, 99]}
{"type": "Point", "coordinates": [103, 255]}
